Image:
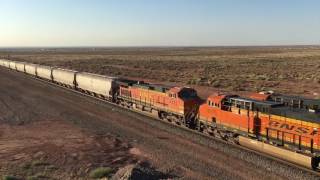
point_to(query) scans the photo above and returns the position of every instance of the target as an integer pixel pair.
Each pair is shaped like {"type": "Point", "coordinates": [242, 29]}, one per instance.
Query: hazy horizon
{"type": "Point", "coordinates": [178, 46]}
{"type": "Point", "coordinates": [167, 23]}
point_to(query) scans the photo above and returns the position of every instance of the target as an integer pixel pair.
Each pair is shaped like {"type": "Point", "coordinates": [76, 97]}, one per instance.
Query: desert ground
{"type": "Point", "coordinates": [47, 132]}
{"type": "Point", "coordinates": [291, 70]}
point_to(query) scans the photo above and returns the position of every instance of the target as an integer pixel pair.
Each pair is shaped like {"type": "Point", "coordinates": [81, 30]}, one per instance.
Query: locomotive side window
{"type": "Point", "coordinates": [233, 102]}
{"type": "Point", "coordinates": [278, 99]}
{"type": "Point", "coordinates": [172, 95]}
{"type": "Point", "coordinates": [248, 105]}
{"type": "Point", "coordinates": [265, 109]}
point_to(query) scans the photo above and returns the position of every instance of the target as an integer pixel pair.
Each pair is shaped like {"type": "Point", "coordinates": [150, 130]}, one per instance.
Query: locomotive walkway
{"type": "Point", "coordinates": [168, 148]}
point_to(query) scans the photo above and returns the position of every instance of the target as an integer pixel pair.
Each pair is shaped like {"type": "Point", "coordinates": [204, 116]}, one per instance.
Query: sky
{"type": "Point", "coordinates": [34, 23]}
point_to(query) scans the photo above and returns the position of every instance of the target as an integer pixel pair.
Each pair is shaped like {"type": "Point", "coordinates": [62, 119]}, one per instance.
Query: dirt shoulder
{"type": "Point", "coordinates": [58, 150]}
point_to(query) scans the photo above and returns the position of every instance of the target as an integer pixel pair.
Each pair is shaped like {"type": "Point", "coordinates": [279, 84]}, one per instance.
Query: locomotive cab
{"type": "Point", "coordinates": [220, 101]}
{"type": "Point", "coordinates": [184, 93]}
{"type": "Point", "coordinates": [185, 98]}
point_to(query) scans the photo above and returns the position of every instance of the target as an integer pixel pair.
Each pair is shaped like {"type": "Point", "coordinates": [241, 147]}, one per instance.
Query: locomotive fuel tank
{"type": "Point", "coordinates": [287, 155]}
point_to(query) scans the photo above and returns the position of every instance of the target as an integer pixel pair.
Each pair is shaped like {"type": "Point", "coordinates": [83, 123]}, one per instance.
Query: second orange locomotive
{"type": "Point", "coordinates": [177, 104]}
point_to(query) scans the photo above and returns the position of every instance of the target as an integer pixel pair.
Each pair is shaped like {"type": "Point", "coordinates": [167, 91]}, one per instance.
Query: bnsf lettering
{"type": "Point", "coordinates": [314, 132]}
{"type": "Point", "coordinates": [274, 123]}
{"type": "Point", "coordinates": [288, 127]}
{"type": "Point", "coordinates": [302, 130]}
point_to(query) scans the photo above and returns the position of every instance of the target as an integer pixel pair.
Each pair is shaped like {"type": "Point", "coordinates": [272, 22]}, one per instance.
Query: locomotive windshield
{"type": "Point", "coordinates": [187, 94]}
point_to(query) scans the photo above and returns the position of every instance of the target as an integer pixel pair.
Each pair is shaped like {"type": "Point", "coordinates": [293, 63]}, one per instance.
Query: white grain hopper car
{"type": "Point", "coordinates": [100, 85]}
{"type": "Point", "coordinates": [12, 65]}
{"type": "Point", "coordinates": [2, 62]}
{"type": "Point", "coordinates": [64, 76]}
{"type": "Point", "coordinates": [44, 72]}
{"type": "Point", "coordinates": [31, 69]}
{"type": "Point", "coordinates": [6, 63]}
{"type": "Point", "coordinates": [20, 66]}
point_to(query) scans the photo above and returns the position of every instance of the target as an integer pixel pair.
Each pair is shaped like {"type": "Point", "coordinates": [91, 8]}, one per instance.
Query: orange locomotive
{"type": "Point", "coordinates": [177, 104]}
{"type": "Point", "coordinates": [230, 116]}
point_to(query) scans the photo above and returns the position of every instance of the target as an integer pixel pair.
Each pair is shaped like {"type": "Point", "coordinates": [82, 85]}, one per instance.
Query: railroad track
{"type": "Point", "coordinates": [120, 108]}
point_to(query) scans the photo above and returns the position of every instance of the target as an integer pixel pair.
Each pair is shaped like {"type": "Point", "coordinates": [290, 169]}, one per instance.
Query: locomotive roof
{"type": "Point", "coordinates": [260, 97]}
{"type": "Point", "coordinates": [285, 111]}
{"type": "Point", "coordinates": [289, 97]}
{"type": "Point", "coordinates": [217, 98]}
{"type": "Point", "coordinates": [155, 87]}
{"type": "Point", "coordinates": [143, 85]}
{"type": "Point", "coordinates": [266, 103]}
{"type": "Point", "coordinates": [301, 114]}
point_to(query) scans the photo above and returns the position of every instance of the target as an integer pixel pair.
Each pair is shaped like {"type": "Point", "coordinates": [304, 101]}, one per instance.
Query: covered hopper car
{"type": "Point", "coordinates": [44, 72]}
{"type": "Point", "coordinates": [31, 69]}
{"type": "Point", "coordinates": [20, 66]}
{"type": "Point", "coordinates": [64, 76]}
{"type": "Point", "coordinates": [6, 63]}
{"type": "Point", "coordinates": [97, 85]}
{"type": "Point", "coordinates": [12, 65]}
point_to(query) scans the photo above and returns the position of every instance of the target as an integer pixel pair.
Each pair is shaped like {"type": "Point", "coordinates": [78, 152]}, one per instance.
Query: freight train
{"type": "Point", "coordinates": [286, 127]}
